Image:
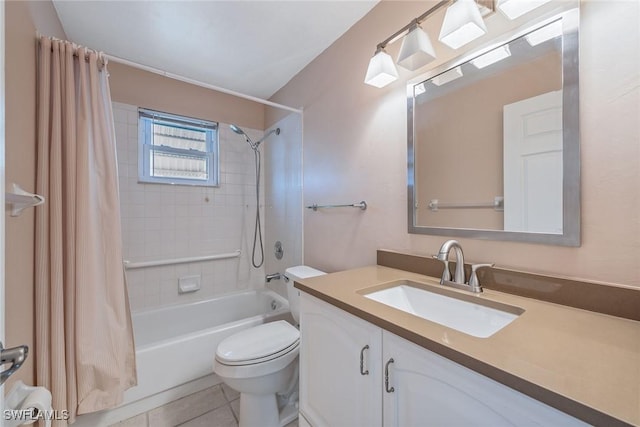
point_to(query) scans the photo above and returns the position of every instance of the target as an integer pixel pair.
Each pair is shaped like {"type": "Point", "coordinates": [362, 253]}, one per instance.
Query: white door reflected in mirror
{"type": "Point", "coordinates": [533, 164]}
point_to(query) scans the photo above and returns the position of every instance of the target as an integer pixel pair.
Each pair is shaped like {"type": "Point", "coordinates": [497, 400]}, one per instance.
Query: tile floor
{"type": "Point", "coordinates": [218, 406]}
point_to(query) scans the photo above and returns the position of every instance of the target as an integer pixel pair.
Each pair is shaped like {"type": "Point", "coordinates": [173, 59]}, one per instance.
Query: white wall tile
{"type": "Point", "coordinates": [172, 221]}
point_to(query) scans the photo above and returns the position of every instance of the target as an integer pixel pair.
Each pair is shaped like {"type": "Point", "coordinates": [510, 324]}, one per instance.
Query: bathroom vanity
{"type": "Point", "coordinates": [399, 383]}
{"type": "Point", "coordinates": [365, 363]}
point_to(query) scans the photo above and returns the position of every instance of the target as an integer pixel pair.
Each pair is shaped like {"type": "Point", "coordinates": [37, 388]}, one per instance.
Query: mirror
{"type": "Point", "coordinates": [493, 140]}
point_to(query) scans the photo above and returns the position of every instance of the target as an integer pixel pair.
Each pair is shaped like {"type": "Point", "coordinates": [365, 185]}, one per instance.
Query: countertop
{"type": "Point", "coordinates": [584, 363]}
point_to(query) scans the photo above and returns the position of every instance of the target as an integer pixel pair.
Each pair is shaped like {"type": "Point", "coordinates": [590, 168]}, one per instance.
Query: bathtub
{"type": "Point", "coordinates": [176, 344]}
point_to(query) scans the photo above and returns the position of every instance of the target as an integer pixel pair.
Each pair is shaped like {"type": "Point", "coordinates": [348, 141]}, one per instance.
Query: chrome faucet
{"type": "Point", "coordinates": [269, 277]}
{"type": "Point", "coordinates": [443, 256]}
{"type": "Point", "coordinates": [459, 277]}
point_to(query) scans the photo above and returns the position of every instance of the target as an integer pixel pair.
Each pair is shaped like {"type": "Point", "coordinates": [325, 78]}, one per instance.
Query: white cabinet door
{"type": "Point", "coordinates": [423, 389]}
{"type": "Point", "coordinates": [430, 390]}
{"type": "Point", "coordinates": [333, 390]}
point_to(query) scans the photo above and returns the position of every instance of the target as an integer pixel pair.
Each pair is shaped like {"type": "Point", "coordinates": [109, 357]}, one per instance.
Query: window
{"type": "Point", "coordinates": [177, 150]}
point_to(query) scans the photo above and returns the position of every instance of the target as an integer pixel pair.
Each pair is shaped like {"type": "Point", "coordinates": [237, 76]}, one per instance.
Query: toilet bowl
{"type": "Point", "coordinates": [262, 363]}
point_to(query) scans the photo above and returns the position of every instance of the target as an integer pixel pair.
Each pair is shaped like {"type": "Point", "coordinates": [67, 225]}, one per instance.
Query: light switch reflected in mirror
{"type": "Point", "coordinates": [493, 140]}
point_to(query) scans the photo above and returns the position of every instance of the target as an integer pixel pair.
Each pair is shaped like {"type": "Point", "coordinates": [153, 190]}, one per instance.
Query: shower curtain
{"type": "Point", "coordinates": [84, 339]}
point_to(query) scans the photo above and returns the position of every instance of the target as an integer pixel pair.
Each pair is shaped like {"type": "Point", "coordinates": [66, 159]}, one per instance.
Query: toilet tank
{"type": "Point", "coordinates": [293, 295]}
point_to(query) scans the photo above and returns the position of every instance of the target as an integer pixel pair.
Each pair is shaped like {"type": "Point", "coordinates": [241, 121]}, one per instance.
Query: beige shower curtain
{"type": "Point", "coordinates": [84, 340]}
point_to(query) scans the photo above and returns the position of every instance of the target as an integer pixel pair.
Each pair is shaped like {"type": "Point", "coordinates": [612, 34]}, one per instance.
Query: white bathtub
{"type": "Point", "coordinates": [175, 347]}
{"type": "Point", "coordinates": [177, 344]}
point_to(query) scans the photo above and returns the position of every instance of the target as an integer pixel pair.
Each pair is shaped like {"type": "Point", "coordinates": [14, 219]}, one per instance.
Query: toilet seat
{"type": "Point", "coordinates": [258, 350]}
{"type": "Point", "coordinates": [261, 359]}
{"type": "Point", "coordinates": [258, 344]}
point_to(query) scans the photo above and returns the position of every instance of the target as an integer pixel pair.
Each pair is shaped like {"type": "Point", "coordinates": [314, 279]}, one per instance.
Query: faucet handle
{"type": "Point", "coordinates": [446, 274]}
{"type": "Point", "coordinates": [474, 283]}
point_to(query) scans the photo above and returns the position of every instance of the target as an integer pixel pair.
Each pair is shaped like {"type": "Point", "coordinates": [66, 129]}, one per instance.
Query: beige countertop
{"type": "Point", "coordinates": [584, 363]}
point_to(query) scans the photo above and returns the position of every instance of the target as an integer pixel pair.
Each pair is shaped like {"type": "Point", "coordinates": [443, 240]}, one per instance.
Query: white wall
{"type": "Point", "coordinates": [166, 221]}
{"type": "Point", "coordinates": [283, 197]}
{"type": "Point", "coordinates": [355, 148]}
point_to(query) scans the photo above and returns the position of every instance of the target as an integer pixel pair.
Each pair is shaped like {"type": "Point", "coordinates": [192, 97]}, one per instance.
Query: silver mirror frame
{"type": "Point", "coordinates": [571, 140]}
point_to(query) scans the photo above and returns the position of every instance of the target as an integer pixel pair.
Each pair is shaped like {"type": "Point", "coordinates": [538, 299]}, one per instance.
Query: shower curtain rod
{"type": "Point", "coordinates": [199, 83]}
{"type": "Point", "coordinates": [193, 81]}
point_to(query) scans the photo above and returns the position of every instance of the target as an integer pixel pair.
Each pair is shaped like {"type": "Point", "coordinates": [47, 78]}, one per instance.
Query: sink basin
{"type": "Point", "coordinates": [464, 313]}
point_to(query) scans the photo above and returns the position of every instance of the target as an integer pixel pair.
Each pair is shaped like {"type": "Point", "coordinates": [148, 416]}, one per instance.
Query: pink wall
{"type": "Point", "coordinates": [22, 19]}
{"type": "Point", "coordinates": [145, 89]}
{"type": "Point", "coordinates": [355, 148]}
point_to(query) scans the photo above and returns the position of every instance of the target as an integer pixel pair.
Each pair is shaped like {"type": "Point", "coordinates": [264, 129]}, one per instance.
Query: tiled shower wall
{"type": "Point", "coordinates": [174, 221]}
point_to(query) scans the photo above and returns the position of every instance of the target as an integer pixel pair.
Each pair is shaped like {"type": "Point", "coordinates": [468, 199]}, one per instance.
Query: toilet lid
{"type": "Point", "coordinates": [258, 344]}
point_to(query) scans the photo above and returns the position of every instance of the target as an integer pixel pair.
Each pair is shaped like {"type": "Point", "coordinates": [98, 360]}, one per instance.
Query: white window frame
{"type": "Point", "coordinates": [146, 119]}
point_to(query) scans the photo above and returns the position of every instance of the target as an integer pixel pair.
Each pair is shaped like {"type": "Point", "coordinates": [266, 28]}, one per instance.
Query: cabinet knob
{"type": "Point", "coordinates": [362, 371]}
{"type": "Point", "coordinates": [386, 376]}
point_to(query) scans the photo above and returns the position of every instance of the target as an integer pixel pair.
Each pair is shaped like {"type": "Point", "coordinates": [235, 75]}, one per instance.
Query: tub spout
{"type": "Point", "coordinates": [270, 277]}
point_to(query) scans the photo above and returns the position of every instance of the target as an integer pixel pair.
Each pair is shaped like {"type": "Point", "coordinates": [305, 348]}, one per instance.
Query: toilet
{"type": "Point", "coordinates": [262, 363]}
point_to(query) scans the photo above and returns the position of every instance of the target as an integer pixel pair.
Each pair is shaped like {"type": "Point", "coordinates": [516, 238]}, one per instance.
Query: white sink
{"type": "Point", "coordinates": [480, 319]}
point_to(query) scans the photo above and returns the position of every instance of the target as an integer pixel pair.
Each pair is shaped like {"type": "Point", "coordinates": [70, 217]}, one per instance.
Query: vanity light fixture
{"type": "Point", "coordinates": [462, 24]}
{"type": "Point", "coordinates": [491, 57]}
{"type": "Point", "coordinates": [416, 50]}
{"type": "Point", "coordinates": [382, 70]}
{"type": "Point", "coordinates": [447, 76]}
{"type": "Point", "coordinates": [513, 9]}
{"type": "Point", "coordinates": [545, 33]}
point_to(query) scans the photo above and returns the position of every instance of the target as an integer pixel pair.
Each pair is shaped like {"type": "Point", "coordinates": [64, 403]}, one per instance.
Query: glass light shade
{"type": "Point", "coordinates": [491, 57]}
{"type": "Point", "coordinates": [416, 51]}
{"type": "Point", "coordinates": [462, 24]}
{"type": "Point", "coordinates": [446, 77]}
{"type": "Point", "coordinates": [513, 9]}
{"type": "Point", "coordinates": [545, 33]}
{"type": "Point", "coordinates": [381, 71]}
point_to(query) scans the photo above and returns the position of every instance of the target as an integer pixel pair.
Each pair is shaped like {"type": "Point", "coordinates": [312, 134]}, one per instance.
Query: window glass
{"type": "Point", "coordinates": [177, 150]}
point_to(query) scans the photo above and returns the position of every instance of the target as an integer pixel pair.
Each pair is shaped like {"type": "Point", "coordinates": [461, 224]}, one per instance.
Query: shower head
{"type": "Point", "coordinates": [237, 130]}
{"type": "Point", "coordinates": [253, 145]}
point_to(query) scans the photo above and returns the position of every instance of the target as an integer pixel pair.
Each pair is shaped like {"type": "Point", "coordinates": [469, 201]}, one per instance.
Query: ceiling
{"type": "Point", "coordinates": [252, 47]}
